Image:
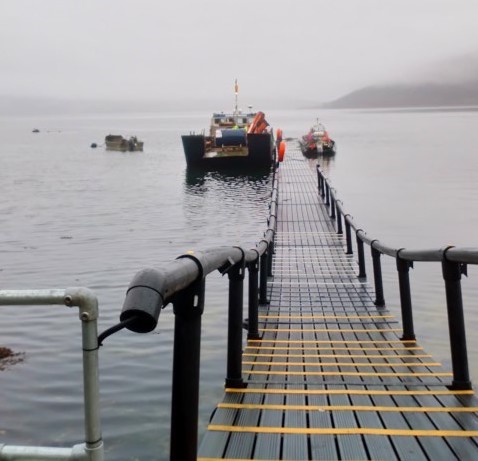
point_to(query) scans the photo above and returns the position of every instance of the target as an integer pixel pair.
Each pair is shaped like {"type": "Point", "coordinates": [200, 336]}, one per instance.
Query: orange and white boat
{"type": "Point", "coordinates": [317, 142]}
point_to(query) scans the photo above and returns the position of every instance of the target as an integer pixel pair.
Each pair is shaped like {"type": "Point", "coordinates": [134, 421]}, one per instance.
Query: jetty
{"type": "Point", "coordinates": [334, 375]}
{"type": "Point", "coordinates": [317, 367]}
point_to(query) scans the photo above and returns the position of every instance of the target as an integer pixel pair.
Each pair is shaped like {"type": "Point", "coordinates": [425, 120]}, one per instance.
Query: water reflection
{"type": "Point", "coordinates": [231, 204]}
{"type": "Point", "coordinates": [198, 176]}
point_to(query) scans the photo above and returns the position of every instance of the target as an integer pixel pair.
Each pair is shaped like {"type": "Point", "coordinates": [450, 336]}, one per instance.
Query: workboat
{"type": "Point", "coordinates": [317, 142]}
{"type": "Point", "coordinates": [234, 139]}
{"type": "Point", "coordinates": [117, 142]}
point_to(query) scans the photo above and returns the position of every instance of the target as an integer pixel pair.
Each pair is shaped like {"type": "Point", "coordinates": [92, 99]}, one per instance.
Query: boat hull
{"type": "Point", "coordinates": [124, 148]}
{"type": "Point", "coordinates": [117, 142]}
{"type": "Point", "coordinates": [259, 151]}
{"type": "Point", "coordinates": [315, 151]}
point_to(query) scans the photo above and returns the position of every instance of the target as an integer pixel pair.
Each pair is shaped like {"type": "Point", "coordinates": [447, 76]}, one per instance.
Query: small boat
{"type": "Point", "coordinates": [117, 142]}
{"type": "Point", "coordinates": [317, 142]}
{"type": "Point", "coordinates": [234, 139]}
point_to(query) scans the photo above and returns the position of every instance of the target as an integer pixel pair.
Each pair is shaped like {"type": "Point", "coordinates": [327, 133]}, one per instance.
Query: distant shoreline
{"type": "Point", "coordinates": [44, 107]}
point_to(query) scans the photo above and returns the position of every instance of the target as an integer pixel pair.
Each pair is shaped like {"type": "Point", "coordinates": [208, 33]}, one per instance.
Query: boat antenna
{"type": "Point", "coordinates": [236, 92]}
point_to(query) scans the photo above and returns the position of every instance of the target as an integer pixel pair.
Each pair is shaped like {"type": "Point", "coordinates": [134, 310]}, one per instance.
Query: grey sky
{"type": "Point", "coordinates": [292, 49]}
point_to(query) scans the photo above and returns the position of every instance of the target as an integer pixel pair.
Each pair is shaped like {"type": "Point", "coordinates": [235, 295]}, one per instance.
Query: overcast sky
{"type": "Point", "coordinates": [300, 50]}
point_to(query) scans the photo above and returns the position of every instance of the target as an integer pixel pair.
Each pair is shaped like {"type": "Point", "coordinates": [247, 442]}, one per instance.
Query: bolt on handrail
{"type": "Point", "coordinates": [182, 283]}
{"type": "Point", "coordinates": [452, 259]}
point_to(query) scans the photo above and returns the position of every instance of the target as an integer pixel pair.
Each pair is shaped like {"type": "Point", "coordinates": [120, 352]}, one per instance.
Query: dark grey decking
{"type": "Point", "coordinates": [331, 379]}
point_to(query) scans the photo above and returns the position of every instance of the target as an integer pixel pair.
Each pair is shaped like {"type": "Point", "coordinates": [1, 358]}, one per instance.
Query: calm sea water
{"type": "Point", "coordinates": [75, 216]}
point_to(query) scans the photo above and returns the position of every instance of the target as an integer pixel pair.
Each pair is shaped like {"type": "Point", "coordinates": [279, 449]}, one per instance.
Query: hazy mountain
{"type": "Point", "coordinates": [448, 82]}
{"type": "Point", "coordinates": [410, 95]}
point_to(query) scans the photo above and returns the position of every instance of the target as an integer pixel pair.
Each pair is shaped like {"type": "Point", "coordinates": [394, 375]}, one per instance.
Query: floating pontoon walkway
{"type": "Point", "coordinates": [331, 379]}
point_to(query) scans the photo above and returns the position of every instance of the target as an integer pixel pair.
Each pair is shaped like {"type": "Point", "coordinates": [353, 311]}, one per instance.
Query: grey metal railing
{"type": "Point", "coordinates": [453, 261]}
{"type": "Point", "coordinates": [92, 448]}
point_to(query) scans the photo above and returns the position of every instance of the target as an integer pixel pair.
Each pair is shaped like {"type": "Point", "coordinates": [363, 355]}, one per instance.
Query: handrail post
{"type": "Point", "coordinates": [403, 268]}
{"type": "Point", "coordinates": [340, 230]}
{"type": "Point", "coordinates": [321, 183]}
{"type": "Point", "coordinates": [234, 334]}
{"type": "Point", "coordinates": [253, 306]}
{"type": "Point", "coordinates": [332, 207]}
{"type": "Point", "coordinates": [319, 179]}
{"type": "Point", "coordinates": [188, 308]}
{"type": "Point", "coordinates": [93, 437]}
{"type": "Point", "coordinates": [456, 324]}
{"type": "Point", "coordinates": [263, 279]}
{"type": "Point", "coordinates": [377, 275]}
{"type": "Point", "coordinates": [270, 257]}
{"type": "Point", "coordinates": [327, 194]}
{"type": "Point", "coordinates": [348, 237]}
{"type": "Point", "coordinates": [361, 257]}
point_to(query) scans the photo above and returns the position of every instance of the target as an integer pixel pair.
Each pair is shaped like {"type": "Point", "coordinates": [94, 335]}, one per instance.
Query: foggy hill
{"type": "Point", "coordinates": [409, 95]}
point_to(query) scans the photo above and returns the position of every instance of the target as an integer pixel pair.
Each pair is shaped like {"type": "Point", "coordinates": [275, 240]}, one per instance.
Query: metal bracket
{"type": "Point", "coordinates": [405, 263]}
{"type": "Point", "coordinates": [227, 267]}
{"type": "Point", "coordinates": [190, 301]}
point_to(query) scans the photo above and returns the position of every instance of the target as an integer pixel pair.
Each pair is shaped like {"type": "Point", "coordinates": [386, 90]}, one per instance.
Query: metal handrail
{"type": "Point", "coordinates": [152, 289]}
{"type": "Point", "coordinates": [456, 254]}
{"type": "Point", "coordinates": [182, 283]}
{"type": "Point", "coordinates": [92, 449]}
{"type": "Point", "coordinates": [453, 261]}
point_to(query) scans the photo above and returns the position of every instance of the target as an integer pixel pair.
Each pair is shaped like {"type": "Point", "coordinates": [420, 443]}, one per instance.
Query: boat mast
{"type": "Point", "coordinates": [236, 92]}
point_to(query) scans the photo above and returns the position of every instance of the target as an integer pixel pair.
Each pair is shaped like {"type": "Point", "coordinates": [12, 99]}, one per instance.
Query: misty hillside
{"type": "Point", "coordinates": [410, 95]}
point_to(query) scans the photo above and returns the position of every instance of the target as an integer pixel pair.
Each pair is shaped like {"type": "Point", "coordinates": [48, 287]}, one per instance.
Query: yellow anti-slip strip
{"type": "Point", "coordinates": [343, 431]}
{"type": "Point", "coordinates": [340, 373]}
{"type": "Point", "coordinates": [251, 342]}
{"type": "Point", "coordinates": [331, 330]}
{"type": "Point", "coordinates": [340, 364]}
{"type": "Point", "coordinates": [326, 316]}
{"type": "Point", "coordinates": [343, 356]}
{"type": "Point", "coordinates": [250, 406]}
{"type": "Point", "coordinates": [251, 390]}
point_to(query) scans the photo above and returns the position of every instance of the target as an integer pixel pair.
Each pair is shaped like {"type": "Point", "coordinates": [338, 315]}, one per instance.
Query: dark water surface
{"type": "Point", "coordinates": [75, 216]}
